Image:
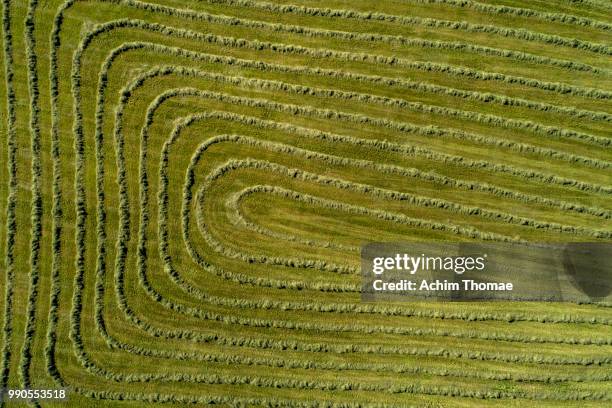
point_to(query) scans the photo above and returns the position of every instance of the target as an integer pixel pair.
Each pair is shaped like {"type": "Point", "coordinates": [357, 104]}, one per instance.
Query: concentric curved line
{"type": "Point", "coordinates": [75, 282]}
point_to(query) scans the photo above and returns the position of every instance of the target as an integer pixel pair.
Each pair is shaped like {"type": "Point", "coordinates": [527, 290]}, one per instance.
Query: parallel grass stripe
{"type": "Point", "coordinates": [428, 131]}
{"type": "Point", "coordinates": [446, 69]}
{"type": "Point", "coordinates": [523, 12]}
{"type": "Point", "coordinates": [162, 216]}
{"type": "Point", "coordinates": [36, 206]}
{"type": "Point", "coordinates": [11, 218]}
{"type": "Point", "coordinates": [407, 148]}
{"type": "Point", "coordinates": [422, 87]}
{"type": "Point", "coordinates": [520, 33]}
{"type": "Point", "coordinates": [413, 199]}
{"type": "Point", "coordinates": [90, 285]}
{"type": "Point", "coordinates": [402, 40]}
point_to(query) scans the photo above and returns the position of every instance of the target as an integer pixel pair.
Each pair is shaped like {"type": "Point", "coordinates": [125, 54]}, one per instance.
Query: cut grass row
{"type": "Point", "coordinates": [83, 204]}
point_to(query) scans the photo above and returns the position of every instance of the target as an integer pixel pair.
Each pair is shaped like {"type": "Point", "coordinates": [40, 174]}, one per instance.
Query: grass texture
{"type": "Point", "coordinates": [185, 186]}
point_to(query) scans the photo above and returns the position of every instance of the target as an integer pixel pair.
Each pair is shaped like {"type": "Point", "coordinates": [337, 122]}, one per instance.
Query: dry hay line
{"type": "Point", "coordinates": [186, 186]}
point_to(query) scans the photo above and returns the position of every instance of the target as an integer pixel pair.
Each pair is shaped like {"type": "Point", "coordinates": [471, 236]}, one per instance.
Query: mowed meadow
{"type": "Point", "coordinates": [185, 187]}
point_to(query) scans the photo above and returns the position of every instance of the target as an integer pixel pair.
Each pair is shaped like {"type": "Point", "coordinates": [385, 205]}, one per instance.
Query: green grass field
{"type": "Point", "coordinates": [185, 186]}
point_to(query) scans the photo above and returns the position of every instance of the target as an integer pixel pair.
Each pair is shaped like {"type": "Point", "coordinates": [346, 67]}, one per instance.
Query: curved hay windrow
{"type": "Point", "coordinates": [187, 186]}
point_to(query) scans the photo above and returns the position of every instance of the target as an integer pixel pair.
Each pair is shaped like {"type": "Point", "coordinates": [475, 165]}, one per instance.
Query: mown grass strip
{"type": "Point", "coordinates": [11, 218]}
